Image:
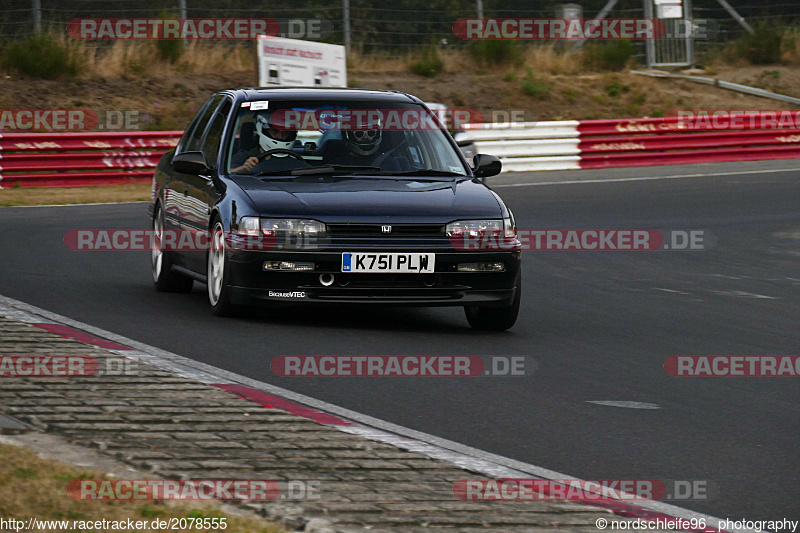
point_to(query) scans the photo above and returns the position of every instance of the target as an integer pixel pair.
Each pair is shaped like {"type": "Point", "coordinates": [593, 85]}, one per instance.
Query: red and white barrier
{"type": "Point", "coordinates": [78, 159]}
{"type": "Point", "coordinates": [693, 138]}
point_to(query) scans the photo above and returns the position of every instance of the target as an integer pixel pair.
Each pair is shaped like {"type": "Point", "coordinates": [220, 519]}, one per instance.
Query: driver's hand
{"type": "Point", "coordinates": [250, 163]}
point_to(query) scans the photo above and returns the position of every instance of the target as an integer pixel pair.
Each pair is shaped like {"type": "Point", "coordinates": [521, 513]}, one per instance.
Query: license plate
{"type": "Point", "coordinates": [388, 262]}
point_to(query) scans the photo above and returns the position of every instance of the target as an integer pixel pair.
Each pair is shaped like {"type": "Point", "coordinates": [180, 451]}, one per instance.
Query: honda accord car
{"type": "Point", "coordinates": [326, 195]}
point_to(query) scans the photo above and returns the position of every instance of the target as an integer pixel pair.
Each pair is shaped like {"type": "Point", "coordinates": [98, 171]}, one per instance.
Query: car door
{"type": "Point", "coordinates": [202, 195]}
{"type": "Point", "coordinates": [178, 205]}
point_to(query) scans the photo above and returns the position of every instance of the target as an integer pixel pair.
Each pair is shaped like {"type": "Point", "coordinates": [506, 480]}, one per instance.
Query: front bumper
{"type": "Point", "coordinates": [249, 282]}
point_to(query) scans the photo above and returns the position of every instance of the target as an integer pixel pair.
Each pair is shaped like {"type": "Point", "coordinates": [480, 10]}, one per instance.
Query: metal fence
{"type": "Point", "coordinates": [392, 28]}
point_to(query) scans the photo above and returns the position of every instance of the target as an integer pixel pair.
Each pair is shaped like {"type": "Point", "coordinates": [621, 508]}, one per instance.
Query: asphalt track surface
{"type": "Point", "coordinates": [598, 324]}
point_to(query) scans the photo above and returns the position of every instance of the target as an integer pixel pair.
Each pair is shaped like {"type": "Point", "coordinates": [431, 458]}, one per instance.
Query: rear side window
{"type": "Point", "coordinates": [192, 143]}
{"type": "Point", "coordinates": [214, 133]}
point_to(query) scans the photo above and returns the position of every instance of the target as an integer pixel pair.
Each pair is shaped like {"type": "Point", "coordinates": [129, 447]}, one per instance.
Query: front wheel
{"type": "Point", "coordinates": [494, 318]}
{"type": "Point", "coordinates": [217, 274]}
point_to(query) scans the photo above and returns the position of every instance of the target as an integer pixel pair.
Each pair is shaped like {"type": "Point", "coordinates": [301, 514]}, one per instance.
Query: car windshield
{"type": "Point", "coordinates": [283, 138]}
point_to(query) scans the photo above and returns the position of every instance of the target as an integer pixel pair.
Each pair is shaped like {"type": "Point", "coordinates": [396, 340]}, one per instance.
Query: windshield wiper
{"type": "Point", "coordinates": [285, 172]}
{"type": "Point", "coordinates": [330, 169]}
{"type": "Point", "coordinates": [426, 172]}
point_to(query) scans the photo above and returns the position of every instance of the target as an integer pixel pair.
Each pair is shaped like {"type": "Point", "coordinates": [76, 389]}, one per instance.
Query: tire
{"type": "Point", "coordinates": [164, 279]}
{"type": "Point", "coordinates": [217, 273]}
{"type": "Point", "coordinates": [494, 318]}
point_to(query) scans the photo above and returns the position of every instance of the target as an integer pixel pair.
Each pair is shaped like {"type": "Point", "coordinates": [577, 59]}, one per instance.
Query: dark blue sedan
{"type": "Point", "coordinates": [332, 196]}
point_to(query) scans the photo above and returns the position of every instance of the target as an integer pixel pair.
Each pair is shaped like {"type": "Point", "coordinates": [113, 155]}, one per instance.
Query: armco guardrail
{"type": "Point", "coordinates": [640, 142]}
{"type": "Point", "coordinates": [81, 158]}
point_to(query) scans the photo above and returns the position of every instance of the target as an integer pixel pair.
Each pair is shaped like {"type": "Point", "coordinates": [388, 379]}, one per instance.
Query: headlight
{"type": "Point", "coordinates": [283, 227]}
{"type": "Point", "coordinates": [476, 228]}
{"type": "Point", "coordinates": [293, 226]}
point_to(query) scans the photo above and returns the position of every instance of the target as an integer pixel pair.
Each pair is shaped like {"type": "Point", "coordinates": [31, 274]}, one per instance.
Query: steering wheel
{"type": "Point", "coordinates": [281, 151]}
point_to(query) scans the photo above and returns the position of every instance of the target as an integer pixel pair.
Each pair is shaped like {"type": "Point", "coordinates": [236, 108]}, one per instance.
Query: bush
{"type": "Point", "coordinates": [616, 88]}
{"type": "Point", "coordinates": [169, 49]}
{"type": "Point", "coordinates": [762, 48]}
{"type": "Point", "coordinates": [613, 55]}
{"type": "Point", "coordinates": [536, 88]}
{"type": "Point", "coordinates": [429, 64]}
{"type": "Point", "coordinates": [41, 56]}
{"type": "Point", "coordinates": [790, 46]}
{"type": "Point", "coordinates": [496, 52]}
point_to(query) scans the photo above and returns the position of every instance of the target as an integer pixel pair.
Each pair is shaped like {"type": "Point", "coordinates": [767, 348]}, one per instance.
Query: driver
{"type": "Point", "coordinates": [271, 136]}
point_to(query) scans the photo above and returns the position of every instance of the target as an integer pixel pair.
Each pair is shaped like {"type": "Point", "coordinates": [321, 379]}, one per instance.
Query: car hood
{"type": "Point", "coordinates": [363, 198]}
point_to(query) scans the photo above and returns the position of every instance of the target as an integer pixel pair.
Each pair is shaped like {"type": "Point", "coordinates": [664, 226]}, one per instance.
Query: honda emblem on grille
{"type": "Point", "coordinates": [386, 229]}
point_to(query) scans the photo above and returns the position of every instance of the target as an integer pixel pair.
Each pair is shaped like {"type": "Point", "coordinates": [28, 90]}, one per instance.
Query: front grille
{"type": "Point", "coordinates": [375, 230]}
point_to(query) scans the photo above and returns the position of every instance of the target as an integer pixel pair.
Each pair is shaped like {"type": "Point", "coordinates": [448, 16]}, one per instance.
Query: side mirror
{"type": "Point", "coordinates": [191, 163]}
{"type": "Point", "coordinates": [486, 165]}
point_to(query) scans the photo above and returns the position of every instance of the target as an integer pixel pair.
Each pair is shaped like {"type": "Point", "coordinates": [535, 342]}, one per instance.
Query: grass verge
{"type": "Point", "coordinates": [32, 487]}
{"type": "Point", "coordinates": [78, 195]}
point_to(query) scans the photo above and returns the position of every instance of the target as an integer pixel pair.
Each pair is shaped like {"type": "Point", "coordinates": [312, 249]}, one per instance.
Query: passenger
{"type": "Point", "coordinates": [361, 146]}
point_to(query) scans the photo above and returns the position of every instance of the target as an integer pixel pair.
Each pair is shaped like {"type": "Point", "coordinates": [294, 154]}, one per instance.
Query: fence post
{"type": "Point", "coordinates": [182, 15]}
{"type": "Point", "coordinates": [37, 16]}
{"type": "Point", "coordinates": [346, 20]}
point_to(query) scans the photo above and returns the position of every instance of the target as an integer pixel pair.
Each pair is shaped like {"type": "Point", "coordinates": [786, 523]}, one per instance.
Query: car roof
{"type": "Point", "coordinates": [319, 93]}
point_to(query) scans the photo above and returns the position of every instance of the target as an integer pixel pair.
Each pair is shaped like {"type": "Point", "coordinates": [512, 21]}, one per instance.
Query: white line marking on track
{"type": "Point", "coordinates": [670, 291]}
{"type": "Point", "coordinates": [742, 294]}
{"type": "Point", "coordinates": [646, 178]}
{"type": "Point", "coordinates": [626, 405]}
{"type": "Point", "coordinates": [75, 205]}
{"type": "Point", "coordinates": [480, 461]}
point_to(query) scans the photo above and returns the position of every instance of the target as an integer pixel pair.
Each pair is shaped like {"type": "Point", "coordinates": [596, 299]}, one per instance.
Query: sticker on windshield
{"type": "Point", "coordinates": [256, 106]}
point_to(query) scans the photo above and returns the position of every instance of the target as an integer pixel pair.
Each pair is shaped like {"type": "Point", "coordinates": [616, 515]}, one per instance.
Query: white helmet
{"type": "Point", "coordinates": [263, 122]}
{"type": "Point", "coordinates": [365, 137]}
